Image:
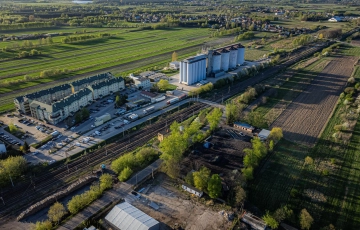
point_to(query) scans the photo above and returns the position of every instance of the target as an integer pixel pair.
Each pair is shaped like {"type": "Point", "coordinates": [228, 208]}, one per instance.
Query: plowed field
{"type": "Point", "coordinates": [306, 116]}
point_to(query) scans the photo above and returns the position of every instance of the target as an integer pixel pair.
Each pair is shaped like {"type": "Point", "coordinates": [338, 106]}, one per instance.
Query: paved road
{"type": "Point", "coordinates": [113, 195]}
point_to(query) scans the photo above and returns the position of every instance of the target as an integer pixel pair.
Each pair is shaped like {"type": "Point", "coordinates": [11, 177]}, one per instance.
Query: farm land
{"type": "Point", "coordinates": [328, 189]}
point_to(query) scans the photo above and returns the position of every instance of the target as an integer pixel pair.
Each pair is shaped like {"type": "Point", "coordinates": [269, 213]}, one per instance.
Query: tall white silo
{"type": "Point", "coordinates": [216, 62]}
{"type": "Point", "coordinates": [241, 55]}
{"type": "Point", "coordinates": [233, 57]}
{"type": "Point", "coordinates": [225, 56]}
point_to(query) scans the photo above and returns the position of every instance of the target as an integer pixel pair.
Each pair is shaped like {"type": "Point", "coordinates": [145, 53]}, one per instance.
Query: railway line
{"type": "Point", "coordinates": [28, 193]}
{"type": "Point", "coordinates": [226, 93]}
{"type": "Point", "coordinates": [22, 196]}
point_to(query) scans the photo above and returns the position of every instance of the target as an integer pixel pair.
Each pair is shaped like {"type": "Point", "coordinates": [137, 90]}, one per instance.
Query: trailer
{"type": "Point", "coordinates": [183, 96]}
{"type": "Point", "coordinates": [172, 101]}
{"type": "Point", "coordinates": [151, 108]}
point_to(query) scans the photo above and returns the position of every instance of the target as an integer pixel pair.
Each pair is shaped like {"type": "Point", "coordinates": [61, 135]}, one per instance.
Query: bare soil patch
{"type": "Point", "coordinates": [306, 116]}
{"type": "Point", "coordinates": [178, 208]}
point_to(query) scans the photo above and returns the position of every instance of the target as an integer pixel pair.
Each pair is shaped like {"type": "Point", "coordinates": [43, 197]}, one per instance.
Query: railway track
{"type": "Point", "coordinates": [29, 193]}
{"type": "Point", "coordinates": [226, 93]}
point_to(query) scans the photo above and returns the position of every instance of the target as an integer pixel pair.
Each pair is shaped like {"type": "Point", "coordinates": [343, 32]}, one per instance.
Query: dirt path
{"type": "Point", "coordinates": [304, 118]}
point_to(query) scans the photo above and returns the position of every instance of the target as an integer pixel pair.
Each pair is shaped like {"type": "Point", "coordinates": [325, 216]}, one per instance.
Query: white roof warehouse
{"type": "Point", "coordinates": [124, 216]}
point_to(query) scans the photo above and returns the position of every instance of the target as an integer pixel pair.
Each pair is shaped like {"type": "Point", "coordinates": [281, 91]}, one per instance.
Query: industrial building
{"type": "Point", "coordinates": [193, 69]}
{"type": "Point", "coordinates": [124, 216]}
{"type": "Point", "coordinates": [211, 63]}
{"type": "Point", "coordinates": [55, 104]}
{"type": "Point", "coordinates": [244, 126]}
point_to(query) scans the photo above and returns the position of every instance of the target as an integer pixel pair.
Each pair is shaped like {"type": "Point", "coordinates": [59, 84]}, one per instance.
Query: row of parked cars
{"type": "Point", "coordinates": [8, 139]}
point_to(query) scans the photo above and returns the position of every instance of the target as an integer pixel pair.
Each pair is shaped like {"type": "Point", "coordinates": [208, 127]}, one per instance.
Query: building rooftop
{"type": "Point", "coordinates": [52, 90]}
{"type": "Point", "coordinates": [195, 58]}
{"type": "Point", "coordinates": [245, 125]}
{"type": "Point", "coordinates": [149, 94]}
{"type": "Point", "coordinates": [91, 80]}
{"type": "Point", "coordinates": [126, 217]}
{"type": "Point", "coordinates": [70, 99]}
{"type": "Point", "coordinates": [147, 73]}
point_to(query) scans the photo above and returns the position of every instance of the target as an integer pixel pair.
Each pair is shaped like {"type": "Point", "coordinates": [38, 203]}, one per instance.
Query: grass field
{"type": "Point", "coordinates": [81, 58]}
{"type": "Point", "coordinates": [332, 181]}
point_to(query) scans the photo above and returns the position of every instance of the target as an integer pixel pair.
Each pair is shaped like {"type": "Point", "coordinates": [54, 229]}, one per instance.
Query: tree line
{"type": "Point", "coordinates": [84, 37]}
{"type": "Point", "coordinates": [58, 211]}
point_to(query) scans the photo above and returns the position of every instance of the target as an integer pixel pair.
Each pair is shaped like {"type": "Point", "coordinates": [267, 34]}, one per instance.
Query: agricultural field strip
{"type": "Point", "coordinates": [287, 82]}
{"type": "Point", "coordinates": [290, 90]}
{"type": "Point", "coordinates": [305, 117]}
{"type": "Point", "coordinates": [109, 45]}
{"type": "Point", "coordinates": [102, 54]}
{"type": "Point", "coordinates": [6, 100]}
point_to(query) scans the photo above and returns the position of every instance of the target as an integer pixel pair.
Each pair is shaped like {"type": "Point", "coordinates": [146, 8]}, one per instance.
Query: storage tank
{"type": "Point", "coordinates": [241, 55]}
{"type": "Point", "coordinates": [216, 62]}
{"type": "Point", "coordinates": [225, 56]}
{"type": "Point", "coordinates": [233, 57]}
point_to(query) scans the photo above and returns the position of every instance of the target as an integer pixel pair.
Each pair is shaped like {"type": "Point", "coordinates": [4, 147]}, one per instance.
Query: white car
{"type": "Point", "coordinates": [51, 161]}
{"type": "Point", "coordinates": [72, 128]}
{"type": "Point", "coordinates": [92, 126]}
{"type": "Point", "coordinates": [241, 134]}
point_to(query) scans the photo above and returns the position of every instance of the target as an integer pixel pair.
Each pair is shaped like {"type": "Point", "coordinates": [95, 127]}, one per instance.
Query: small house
{"type": "Point", "coordinates": [192, 190]}
{"type": "Point", "coordinates": [174, 65]}
{"type": "Point", "coordinates": [264, 134]}
{"type": "Point", "coordinates": [244, 126]}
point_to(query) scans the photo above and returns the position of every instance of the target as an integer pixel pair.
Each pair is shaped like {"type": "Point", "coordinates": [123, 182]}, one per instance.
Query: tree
{"type": "Point", "coordinates": [214, 118]}
{"type": "Point", "coordinates": [106, 181]}
{"type": "Point", "coordinates": [56, 212]}
{"type": "Point", "coordinates": [306, 219]}
{"type": "Point", "coordinates": [163, 84]}
{"type": "Point", "coordinates": [248, 173]}
{"type": "Point", "coordinates": [118, 100]}
{"type": "Point", "coordinates": [240, 195]}
{"type": "Point", "coordinates": [282, 213]}
{"type": "Point", "coordinates": [270, 221]}
{"type": "Point", "coordinates": [309, 160]}
{"type": "Point", "coordinates": [201, 178]}
{"type": "Point", "coordinates": [214, 186]}
{"type": "Point", "coordinates": [276, 134]}
{"type": "Point", "coordinates": [231, 113]}
{"type": "Point", "coordinates": [189, 178]}
{"type": "Point", "coordinates": [25, 147]}
{"type": "Point", "coordinates": [12, 128]}
{"type": "Point", "coordinates": [85, 113]}
{"type": "Point", "coordinates": [125, 174]}
{"type": "Point", "coordinates": [174, 56]}
{"type": "Point", "coordinates": [271, 145]}
{"type": "Point", "coordinates": [78, 117]}
{"type": "Point", "coordinates": [45, 225]}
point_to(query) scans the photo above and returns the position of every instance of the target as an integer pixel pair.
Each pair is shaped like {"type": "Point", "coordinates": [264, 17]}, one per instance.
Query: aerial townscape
{"type": "Point", "coordinates": [185, 115]}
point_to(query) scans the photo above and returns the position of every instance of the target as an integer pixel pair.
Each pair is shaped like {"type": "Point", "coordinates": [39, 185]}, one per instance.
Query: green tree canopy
{"type": "Point", "coordinates": [270, 221]}
{"type": "Point", "coordinates": [163, 84]}
{"type": "Point", "coordinates": [56, 212]}
{"type": "Point", "coordinates": [174, 56]}
{"type": "Point", "coordinates": [240, 195]}
{"type": "Point", "coordinates": [44, 225]}
{"type": "Point", "coordinates": [306, 219]}
{"type": "Point", "coordinates": [276, 134]}
{"type": "Point", "coordinates": [214, 186]}
{"type": "Point", "coordinates": [12, 128]}
{"type": "Point", "coordinates": [201, 178]}
{"type": "Point", "coordinates": [85, 113]}
{"type": "Point", "coordinates": [214, 118]}
{"type": "Point", "coordinates": [125, 174]}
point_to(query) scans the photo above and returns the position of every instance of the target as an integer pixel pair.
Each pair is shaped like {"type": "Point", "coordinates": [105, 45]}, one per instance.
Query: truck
{"type": "Point", "coordinates": [160, 99]}
{"type": "Point", "coordinates": [134, 116]}
{"type": "Point", "coordinates": [149, 109]}
{"type": "Point", "coordinates": [98, 133]}
{"type": "Point", "coordinates": [172, 101]}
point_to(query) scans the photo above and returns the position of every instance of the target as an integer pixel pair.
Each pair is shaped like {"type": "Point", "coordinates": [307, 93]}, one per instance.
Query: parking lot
{"type": "Point", "coordinates": [70, 140]}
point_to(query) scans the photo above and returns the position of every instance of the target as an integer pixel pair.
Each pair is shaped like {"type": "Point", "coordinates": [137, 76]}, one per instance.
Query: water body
{"type": "Point", "coordinates": [81, 2]}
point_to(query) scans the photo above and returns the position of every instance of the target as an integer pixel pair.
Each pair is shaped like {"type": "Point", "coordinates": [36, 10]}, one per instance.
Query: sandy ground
{"type": "Point", "coordinates": [176, 207]}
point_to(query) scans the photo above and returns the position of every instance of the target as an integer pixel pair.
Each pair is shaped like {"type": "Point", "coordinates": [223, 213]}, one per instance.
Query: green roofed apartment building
{"type": "Point", "coordinates": [56, 104]}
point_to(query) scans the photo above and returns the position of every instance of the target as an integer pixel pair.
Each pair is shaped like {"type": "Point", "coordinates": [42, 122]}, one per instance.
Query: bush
{"type": "Point", "coordinates": [125, 174]}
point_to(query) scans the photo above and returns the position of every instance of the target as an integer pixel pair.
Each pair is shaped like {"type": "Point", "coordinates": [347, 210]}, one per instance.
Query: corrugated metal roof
{"type": "Point", "coordinates": [126, 217]}
{"type": "Point", "coordinates": [245, 125]}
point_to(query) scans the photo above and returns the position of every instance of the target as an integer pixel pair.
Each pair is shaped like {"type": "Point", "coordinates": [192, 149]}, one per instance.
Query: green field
{"type": "Point", "coordinates": [333, 179]}
{"type": "Point", "coordinates": [125, 46]}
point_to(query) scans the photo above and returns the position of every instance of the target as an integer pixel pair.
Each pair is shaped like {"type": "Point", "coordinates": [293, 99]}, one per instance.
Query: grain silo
{"type": "Point", "coordinates": [225, 56]}
{"type": "Point", "coordinates": [241, 55]}
{"type": "Point", "coordinates": [216, 62]}
{"type": "Point", "coordinates": [233, 57]}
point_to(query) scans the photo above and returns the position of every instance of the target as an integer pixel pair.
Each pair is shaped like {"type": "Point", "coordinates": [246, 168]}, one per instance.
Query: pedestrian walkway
{"type": "Point", "coordinates": [112, 195]}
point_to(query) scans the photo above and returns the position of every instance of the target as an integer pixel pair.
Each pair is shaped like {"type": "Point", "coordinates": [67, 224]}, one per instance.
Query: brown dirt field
{"type": "Point", "coordinates": [305, 117]}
